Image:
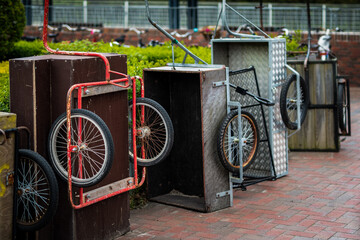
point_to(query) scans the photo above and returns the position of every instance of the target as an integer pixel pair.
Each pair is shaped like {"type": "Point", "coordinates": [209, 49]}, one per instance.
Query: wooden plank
{"type": "Point", "coordinates": [97, 90]}
{"type": "Point", "coordinates": [317, 131]}
{"type": "Point", "coordinates": [107, 189]}
{"type": "Point", "coordinates": [7, 121]}
{"type": "Point", "coordinates": [330, 126]}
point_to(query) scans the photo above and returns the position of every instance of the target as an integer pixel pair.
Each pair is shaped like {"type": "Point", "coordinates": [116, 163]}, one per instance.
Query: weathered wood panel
{"type": "Point", "coordinates": [318, 132]}
{"type": "Point", "coordinates": [192, 175]}
{"type": "Point", "coordinates": [7, 150]}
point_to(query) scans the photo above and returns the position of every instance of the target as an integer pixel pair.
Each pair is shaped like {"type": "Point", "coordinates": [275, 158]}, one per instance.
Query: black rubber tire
{"type": "Point", "coordinates": [342, 107]}
{"type": "Point", "coordinates": [163, 142]}
{"type": "Point", "coordinates": [104, 158]}
{"type": "Point", "coordinates": [232, 120]}
{"type": "Point", "coordinates": [44, 191]}
{"type": "Point", "coordinates": [287, 102]}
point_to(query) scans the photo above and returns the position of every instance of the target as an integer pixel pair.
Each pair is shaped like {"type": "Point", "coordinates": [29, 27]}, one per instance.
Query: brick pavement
{"type": "Point", "coordinates": [318, 199]}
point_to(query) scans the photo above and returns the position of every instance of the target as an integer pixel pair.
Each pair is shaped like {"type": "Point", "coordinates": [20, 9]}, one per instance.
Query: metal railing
{"type": "Point", "coordinates": [127, 15]}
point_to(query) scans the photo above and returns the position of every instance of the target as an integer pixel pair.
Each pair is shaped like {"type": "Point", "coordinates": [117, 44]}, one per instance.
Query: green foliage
{"type": "Point", "coordinates": [5, 88]}
{"type": "Point", "coordinates": [12, 22]}
{"type": "Point", "coordinates": [138, 58]}
{"type": "Point", "coordinates": [294, 43]}
{"type": "Point", "coordinates": [27, 49]}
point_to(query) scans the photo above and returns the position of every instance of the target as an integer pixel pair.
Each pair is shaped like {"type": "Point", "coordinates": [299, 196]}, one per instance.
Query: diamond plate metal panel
{"type": "Point", "coordinates": [268, 56]}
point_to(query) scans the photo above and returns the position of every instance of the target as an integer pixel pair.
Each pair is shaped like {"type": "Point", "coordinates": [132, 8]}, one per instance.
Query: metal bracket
{"type": "Point", "coordinates": [236, 179]}
{"type": "Point", "coordinates": [219, 84]}
{"type": "Point", "coordinates": [10, 178]}
{"type": "Point", "coordinates": [223, 194]}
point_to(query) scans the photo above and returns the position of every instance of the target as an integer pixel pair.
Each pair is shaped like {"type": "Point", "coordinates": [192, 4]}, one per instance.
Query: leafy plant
{"type": "Point", "coordinates": [137, 58]}
{"type": "Point", "coordinates": [294, 43]}
{"type": "Point", "coordinates": [12, 22]}
{"type": "Point", "coordinates": [5, 87]}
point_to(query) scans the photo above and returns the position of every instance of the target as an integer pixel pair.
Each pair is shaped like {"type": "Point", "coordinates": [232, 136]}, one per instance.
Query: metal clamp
{"type": "Point", "coordinates": [4, 134]}
{"type": "Point", "coordinates": [219, 84]}
{"type": "Point", "coordinates": [223, 194]}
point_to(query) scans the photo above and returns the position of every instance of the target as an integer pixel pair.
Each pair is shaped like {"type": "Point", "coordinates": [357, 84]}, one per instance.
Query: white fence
{"type": "Point", "coordinates": [127, 15]}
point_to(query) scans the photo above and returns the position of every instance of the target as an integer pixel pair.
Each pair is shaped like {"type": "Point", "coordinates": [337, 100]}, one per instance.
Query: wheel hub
{"type": "Point", "coordinates": [144, 132]}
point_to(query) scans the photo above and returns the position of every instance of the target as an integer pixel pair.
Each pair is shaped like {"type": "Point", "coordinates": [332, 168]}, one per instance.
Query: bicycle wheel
{"type": "Point", "coordinates": [155, 134]}
{"type": "Point", "coordinates": [342, 107]}
{"type": "Point", "coordinates": [288, 102]}
{"type": "Point", "coordinates": [228, 141]}
{"type": "Point", "coordinates": [92, 148]}
{"type": "Point", "coordinates": [37, 191]}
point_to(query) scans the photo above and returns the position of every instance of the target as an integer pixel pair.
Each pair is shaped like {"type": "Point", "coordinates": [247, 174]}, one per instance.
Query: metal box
{"type": "Point", "coordinates": [268, 56]}
{"type": "Point", "coordinates": [192, 176]}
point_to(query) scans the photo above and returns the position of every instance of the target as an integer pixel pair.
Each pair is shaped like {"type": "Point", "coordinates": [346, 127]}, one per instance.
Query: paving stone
{"type": "Point", "coordinates": [318, 199]}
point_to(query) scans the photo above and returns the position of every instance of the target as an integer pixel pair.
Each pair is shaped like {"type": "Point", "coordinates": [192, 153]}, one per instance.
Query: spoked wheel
{"type": "Point", "coordinates": [91, 148]}
{"type": "Point", "coordinates": [228, 141]}
{"type": "Point", "coordinates": [154, 132]}
{"type": "Point", "coordinates": [342, 107]}
{"type": "Point", "coordinates": [37, 191]}
{"type": "Point", "coordinates": [288, 102]}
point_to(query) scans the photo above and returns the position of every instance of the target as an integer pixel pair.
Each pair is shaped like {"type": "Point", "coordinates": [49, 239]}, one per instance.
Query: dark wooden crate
{"type": "Point", "coordinates": [192, 175]}
{"type": "Point", "coordinates": [38, 95]}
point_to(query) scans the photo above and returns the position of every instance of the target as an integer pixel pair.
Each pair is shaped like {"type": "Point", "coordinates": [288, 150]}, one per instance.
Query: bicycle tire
{"type": "Point", "coordinates": [157, 132]}
{"type": "Point", "coordinates": [96, 148]}
{"type": "Point", "coordinates": [37, 201]}
{"type": "Point", "coordinates": [288, 102]}
{"type": "Point", "coordinates": [342, 107]}
{"type": "Point", "coordinates": [227, 144]}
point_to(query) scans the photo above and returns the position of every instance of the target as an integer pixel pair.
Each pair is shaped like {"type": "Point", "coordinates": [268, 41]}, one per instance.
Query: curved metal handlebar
{"type": "Point", "coordinates": [173, 40]}
{"type": "Point", "coordinates": [44, 37]}
{"type": "Point", "coordinates": [259, 99]}
{"type": "Point", "coordinates": [243, 17]}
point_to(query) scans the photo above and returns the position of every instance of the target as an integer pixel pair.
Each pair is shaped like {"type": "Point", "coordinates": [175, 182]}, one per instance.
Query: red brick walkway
{"type": "Point", "coordinates": [318, 199]}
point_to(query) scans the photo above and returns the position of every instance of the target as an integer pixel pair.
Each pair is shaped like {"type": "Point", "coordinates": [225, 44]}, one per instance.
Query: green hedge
{"type": "Point", "coordinates": [138, 58]}
{"type": "Point", "coordinates": [4, 87]}
{"type": "Point", "coordinates": [12, 22]}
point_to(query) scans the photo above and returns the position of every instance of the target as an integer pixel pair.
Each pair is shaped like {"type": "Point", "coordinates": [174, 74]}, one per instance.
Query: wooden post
{"type": "Point", "coordinates": [7, 151]}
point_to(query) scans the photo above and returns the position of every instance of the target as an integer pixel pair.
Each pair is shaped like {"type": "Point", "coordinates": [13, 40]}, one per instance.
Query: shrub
{"type": "Point", "coordinates": [138, 58]}
{"type": "Point", "coordinates": [27, 49]}
{"type": "Point", "coordinates": [12, 22]}
{"type": "Point", "coordinates": [5, 88]}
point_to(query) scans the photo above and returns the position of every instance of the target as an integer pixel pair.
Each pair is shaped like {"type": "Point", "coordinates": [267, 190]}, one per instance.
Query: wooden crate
{"type": "Point", "coordinates": [38, 88]}
{"type": "Point", "coordinates": [319, 131]}
{"type": "Point", "coordinates": [192, 176]}
{"type": "Point", "coordinates": [7, 153]}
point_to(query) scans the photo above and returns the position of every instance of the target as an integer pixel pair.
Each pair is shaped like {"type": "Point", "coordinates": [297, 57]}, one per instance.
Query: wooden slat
{"type": "Point", "coordinates": [97, 90]}
{"type": "Point", "coordinates": [317, 131]}
{"type": "Point", "coordinates": [107, 189]}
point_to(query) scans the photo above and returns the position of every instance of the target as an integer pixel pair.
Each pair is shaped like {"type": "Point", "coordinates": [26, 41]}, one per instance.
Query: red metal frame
{"type": "Point", "coordinates": [124, 81]}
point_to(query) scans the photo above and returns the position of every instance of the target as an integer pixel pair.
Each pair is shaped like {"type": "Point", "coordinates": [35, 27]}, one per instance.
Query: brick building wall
{"type": "Point", "coordinates": [346, 46]}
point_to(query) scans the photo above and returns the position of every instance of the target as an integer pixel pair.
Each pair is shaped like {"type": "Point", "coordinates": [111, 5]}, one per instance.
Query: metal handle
{"type": "Point", "coordinates": [259, 99]}
{"type": "Point", "coordinates": [173, 40]}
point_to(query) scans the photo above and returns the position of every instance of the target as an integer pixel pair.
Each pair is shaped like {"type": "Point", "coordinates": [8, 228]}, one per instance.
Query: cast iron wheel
{"type": "Point", "coordinates": [155, 134]}
{"type": "Point", "coordinates": [93, 147]}
{"type": "Point", "coordinates": [228, 141]}
{"type": "Point", "coordinates": [288, 102]}
{"type": "Point", "coordinates": [37, 191]}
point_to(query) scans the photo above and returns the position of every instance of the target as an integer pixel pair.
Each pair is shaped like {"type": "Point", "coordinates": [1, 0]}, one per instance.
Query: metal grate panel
{"type": "Point", "coordinates": [268, 56]}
